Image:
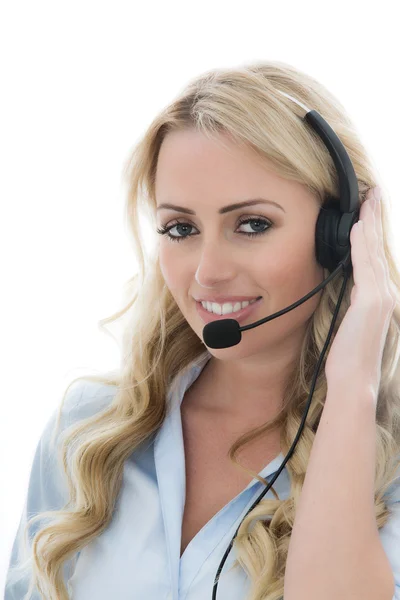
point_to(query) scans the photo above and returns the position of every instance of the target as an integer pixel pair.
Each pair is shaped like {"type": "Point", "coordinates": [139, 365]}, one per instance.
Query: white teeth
{"type": "Point", "coordinates": [226, 308]}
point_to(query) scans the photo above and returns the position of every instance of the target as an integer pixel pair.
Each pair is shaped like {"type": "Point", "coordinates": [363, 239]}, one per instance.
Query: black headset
{"type": "Point", "coordinates": [333, 252]}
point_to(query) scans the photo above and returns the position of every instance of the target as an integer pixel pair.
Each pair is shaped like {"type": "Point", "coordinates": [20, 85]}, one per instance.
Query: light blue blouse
{"type": "Point", "coordinates": [138, 556]}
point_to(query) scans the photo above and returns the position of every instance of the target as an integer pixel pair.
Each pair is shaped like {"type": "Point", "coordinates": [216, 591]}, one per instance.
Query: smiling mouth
{"type": "Point", "coordinates": [232, 303]}
{"type": "Point", "coordinates": [239, 315]}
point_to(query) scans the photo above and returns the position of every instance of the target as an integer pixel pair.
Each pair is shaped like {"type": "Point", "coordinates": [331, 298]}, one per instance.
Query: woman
{"type": "Point", "coordinates": [138, 474]}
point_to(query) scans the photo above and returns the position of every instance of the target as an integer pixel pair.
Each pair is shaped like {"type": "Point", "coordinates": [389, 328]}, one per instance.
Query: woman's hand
{"type": "Point", "coordinates": [355, 356]}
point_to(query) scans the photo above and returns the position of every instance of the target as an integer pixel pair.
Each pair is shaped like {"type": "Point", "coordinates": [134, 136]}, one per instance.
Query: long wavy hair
{"type": "Point", "coordinates": [158, 344]}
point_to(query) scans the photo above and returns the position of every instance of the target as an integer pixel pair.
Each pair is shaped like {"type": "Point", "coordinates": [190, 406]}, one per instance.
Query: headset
{"type": "Point", "coordinates": [333, 252]}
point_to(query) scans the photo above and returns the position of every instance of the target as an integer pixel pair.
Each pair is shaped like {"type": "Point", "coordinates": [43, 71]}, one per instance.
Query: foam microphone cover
{"type": "Point", "coordinates": [222, 334]}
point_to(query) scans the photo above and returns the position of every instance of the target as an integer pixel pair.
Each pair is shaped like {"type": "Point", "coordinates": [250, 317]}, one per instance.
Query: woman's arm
{"type": "Point", "coordinates": [335, 550]}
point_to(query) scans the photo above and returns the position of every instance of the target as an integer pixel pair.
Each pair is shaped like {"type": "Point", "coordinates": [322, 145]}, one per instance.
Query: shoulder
{"type": "Point", "coordinates": [392, 494]}
{"type": "Point", "coordinates": [390, 532]}
{"type": "Point", "coordinates": [47, 487]}
{"type": "Point", "coordinates": [83, 399]}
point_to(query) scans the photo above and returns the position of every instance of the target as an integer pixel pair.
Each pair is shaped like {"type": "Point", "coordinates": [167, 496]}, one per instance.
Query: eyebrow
{"type": "Point", "coordinates": [224, 209]}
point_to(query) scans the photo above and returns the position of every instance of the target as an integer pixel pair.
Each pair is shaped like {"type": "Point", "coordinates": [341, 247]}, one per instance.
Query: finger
{"type": "Point", "coordinates": [375, 244]}
{"type": "Point", "coordinates": [363, 272]}
{"type": "Point", "coordinates": [367, 215]}
{"type": "Point", "coordinates": [390, 288]}
{"type": "Point", "coordinates": [379, 232]}
{"type": "Point", "coordinates": [379, 259]}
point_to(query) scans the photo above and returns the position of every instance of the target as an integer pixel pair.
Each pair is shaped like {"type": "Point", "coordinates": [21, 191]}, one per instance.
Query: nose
{"type": "Point", "coordinates": [216, 266]}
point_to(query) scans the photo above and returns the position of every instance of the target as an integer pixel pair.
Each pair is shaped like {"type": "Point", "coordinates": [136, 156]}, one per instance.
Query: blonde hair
{"type": "Point", "coordinates": [158, 345]}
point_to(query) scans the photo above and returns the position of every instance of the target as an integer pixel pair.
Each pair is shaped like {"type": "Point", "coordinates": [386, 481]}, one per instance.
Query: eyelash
{"type": "Point", "coordinates": [165, 230]}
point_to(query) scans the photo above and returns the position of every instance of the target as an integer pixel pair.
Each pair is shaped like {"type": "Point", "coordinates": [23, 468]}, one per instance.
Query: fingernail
{"type": "Point", "coordinates": [377, 193]}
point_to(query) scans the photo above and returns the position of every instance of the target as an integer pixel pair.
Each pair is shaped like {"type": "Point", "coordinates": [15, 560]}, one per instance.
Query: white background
{"type": "Point", "coordinates": [81, 81]}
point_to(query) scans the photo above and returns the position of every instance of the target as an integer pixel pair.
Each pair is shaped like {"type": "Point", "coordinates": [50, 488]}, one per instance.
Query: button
{"type": "Point", "coordinates": [169, 597]}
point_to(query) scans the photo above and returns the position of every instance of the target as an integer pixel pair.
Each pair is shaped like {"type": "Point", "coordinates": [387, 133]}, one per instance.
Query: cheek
{"type": "Point", "coordinates": [293, 275]}
{"type": "Point", "coordinates": [171, 267]}
{"type": "Point", "coordinates": [281, 269]}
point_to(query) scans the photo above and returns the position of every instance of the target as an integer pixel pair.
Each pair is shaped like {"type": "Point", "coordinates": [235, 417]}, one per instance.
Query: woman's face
{"type": "Point", "coordinates": [211, 255]}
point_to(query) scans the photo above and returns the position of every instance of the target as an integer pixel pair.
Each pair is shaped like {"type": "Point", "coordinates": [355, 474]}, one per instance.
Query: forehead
{"type": "Point", "coordinates": [193, 151]}
{"type": "Point", "coordinates": [193, 170]}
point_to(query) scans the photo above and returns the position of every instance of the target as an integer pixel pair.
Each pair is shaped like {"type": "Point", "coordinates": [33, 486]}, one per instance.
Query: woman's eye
{"type": "Point", "coordinates": [256, 226]}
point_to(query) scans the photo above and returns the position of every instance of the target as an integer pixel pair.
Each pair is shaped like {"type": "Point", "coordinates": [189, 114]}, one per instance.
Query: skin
{"type": "Point", "coordinates": [280, 265]}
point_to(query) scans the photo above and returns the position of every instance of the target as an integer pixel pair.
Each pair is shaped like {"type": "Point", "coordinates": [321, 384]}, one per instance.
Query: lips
{"type": "Point", "coordinates": [239, 315]}
{"type": "Point", "coordinates": [226, 299]}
